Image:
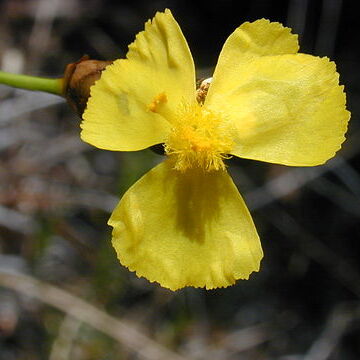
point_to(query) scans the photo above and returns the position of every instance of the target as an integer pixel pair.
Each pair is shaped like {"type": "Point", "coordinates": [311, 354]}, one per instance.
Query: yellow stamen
{"type": "Point", "coordinates": [198, 139]}
{"type": "Point", "coordinates": [158, 100]}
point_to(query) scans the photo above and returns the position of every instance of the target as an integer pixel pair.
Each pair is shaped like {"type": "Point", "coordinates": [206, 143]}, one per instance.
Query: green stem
{"type": "Point", "coordinates": [53, 86]}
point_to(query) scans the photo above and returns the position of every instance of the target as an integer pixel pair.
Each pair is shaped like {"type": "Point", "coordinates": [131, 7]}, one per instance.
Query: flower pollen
{"type": "Point", "coordinates": [157, 101]}
{"type": "Point", "coordinates": [198, 140]}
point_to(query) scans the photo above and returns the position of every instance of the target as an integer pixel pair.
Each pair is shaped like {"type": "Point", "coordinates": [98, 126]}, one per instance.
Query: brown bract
{"type": "Point", "coordinates": [78, 78]}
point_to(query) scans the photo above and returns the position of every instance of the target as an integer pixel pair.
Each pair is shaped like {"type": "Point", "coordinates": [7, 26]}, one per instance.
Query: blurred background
{"type": "Point", "coordinates": [63, 294]}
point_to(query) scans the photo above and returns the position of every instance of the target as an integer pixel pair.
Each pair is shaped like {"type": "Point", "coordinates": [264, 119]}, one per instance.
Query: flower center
{"type": "Point", "coordinates": [198, 139]}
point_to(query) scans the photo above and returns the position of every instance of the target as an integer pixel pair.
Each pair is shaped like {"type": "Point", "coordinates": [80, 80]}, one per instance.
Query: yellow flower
{"type": "Point", "coordinates": [184, 223]}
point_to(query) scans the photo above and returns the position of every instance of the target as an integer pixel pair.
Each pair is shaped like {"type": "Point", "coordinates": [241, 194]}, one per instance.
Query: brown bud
{"type": "Point", "coordinates": [78, 78]}
{"type": "Point", "coordinates": [202, 88]}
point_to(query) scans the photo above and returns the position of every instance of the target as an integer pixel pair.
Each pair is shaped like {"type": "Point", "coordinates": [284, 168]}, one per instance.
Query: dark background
{"type": "Point", "coordinates": [56, 194]}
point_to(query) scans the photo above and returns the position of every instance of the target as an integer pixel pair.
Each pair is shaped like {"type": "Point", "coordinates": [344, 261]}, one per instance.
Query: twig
{"type": "Point", "coordinates": [61, 349]}
{"type": "Point", "coordinates": [89, 314]}
{"type": "Point", "coordinates": [17, 221]}
{"type": "Point", "coordinates": [25, 102]}
{"type": "Point", "coordinates": [338, 323]}
{"type": "Point", "coordinates": [315, 249]}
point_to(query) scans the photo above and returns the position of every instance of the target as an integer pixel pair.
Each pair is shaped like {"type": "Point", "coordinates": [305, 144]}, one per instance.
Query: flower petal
{"type": "Point", "coordinates": [130, 105]}
{"type": "Point", "coordinates": [186, 229]}
{"type": "Point", "coordinates": [286, 109]}
{"type": "Point", "coordinates": [247, 42]}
